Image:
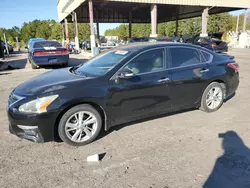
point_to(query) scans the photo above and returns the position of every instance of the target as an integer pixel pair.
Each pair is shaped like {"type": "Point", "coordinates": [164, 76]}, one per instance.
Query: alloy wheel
{"type": "Point", "coordinates": [214, 97]}
{"type": "Point", "coordinates": [81, 126]}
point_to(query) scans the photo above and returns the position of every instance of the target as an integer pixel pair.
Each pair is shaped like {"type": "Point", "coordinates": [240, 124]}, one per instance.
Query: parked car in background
{"type": "Point", "coordinates": [161, 39]}
{"type": "Point", "coordinates": [128, 83]}
{"type": "Point", "coordinates": [1, 49]}
{"type": "Point", "coordinates": [33, 40]}
{"type": "Point", "coordinates": [139, 39]}
{"type": "Point", "coordinates": [46, 52]}
{"type": "Point", "coordinates": [10, 48]}
{"type": "Point", "coordinates": [212, 42]}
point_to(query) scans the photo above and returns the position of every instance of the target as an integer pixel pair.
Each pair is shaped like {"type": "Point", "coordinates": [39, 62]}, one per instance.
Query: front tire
{"type": "Point", "coordinates": [80, 125]}
{"type": "Point", "coordinates": [212, 98]}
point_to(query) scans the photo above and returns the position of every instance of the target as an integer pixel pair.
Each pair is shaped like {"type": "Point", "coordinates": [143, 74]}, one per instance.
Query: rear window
{"type": "Point", "coordinates": [45, 44]}
{"type": "Point", "coordinates": [184, 57]}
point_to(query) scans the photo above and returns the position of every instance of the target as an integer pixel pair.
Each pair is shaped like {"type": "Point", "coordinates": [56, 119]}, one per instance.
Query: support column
{"type": "Point", "coordinates": [130, 25]}
{"type": "Point", "coordinates": [177, 25]}
{"type": "Point", "coordinates": [97, 31]}
{"type": "Point", "coordinates": [76, 31]}
{"type": "Point", "coordinates": [6, 45]}
{"type": "Point", "coordinates": [92, 29]}
{"type": "Point", "coordinates": [154, 20]}
{"type": "Point", "coordinates": [204, 23]}
{"type": "Point", "coordinates": [66, 30]}
{"type": "Point", "coordinates": [177, 21]}
{"type": "Point", "coordinates": [63, 35]}
{"type": "Point", "coordinates": [245, 21]}
{"type": "Point", "coordinates": [237, 24]}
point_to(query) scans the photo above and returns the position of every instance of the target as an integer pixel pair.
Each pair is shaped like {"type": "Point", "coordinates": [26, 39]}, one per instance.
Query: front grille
{"type": "Point", "coordinates": [13, 98]}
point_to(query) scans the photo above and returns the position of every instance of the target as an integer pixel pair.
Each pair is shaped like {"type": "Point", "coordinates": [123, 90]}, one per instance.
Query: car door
{"type": "Point", "coordinates": [189, 74]}
{"type": "Point", "coordinates": [143, 94]}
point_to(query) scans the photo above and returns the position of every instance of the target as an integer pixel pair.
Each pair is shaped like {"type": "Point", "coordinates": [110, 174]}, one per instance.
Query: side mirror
{"type": "Point", "coordinates": [125, 74]}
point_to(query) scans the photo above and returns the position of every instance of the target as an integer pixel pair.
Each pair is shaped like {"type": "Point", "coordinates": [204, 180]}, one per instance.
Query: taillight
{"type": "Point", "coordinates": [64, 51]}
{"type": "Point", "coordinates": [39, 53]}
{"type": "Point", "coordinates": [234, 66]}
{"type": "Point", "coordinates": [50, 52]}
{"type": "Point", "coordinates": [213, 44]}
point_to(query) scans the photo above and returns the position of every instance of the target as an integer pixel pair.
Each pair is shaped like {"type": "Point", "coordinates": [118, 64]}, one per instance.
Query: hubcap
{"type": "Point", "coordinates": [214, 97]}
{"type": "Point", "coordinates": [81, 126]}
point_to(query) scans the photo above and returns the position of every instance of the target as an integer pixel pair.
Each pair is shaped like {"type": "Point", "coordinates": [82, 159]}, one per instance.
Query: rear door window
{"type": "Point", "coordinates": [184, 57]}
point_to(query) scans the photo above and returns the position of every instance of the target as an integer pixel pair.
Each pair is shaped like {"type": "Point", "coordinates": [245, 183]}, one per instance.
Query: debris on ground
{"type": "Point", "coordinates": [96, 157]}
{"type": "Point", "coordinates": [93, 158]}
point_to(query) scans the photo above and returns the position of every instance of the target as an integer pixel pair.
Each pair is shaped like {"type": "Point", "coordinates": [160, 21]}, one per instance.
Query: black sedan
{"type": "Point", "coordinates": [125, 84]}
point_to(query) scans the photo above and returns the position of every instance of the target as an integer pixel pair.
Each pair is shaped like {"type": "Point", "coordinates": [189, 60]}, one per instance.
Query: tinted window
{"type": "Point", "coordinates": [47, 44]}
{"type": "Point", "coordinates": [102, 63]}
{"type": "Point", "coordinates": [149, 61]}
{"type": "Point", "coordinates": [184, 56]}
{"type": "Point", "coordinates": [206, 56]}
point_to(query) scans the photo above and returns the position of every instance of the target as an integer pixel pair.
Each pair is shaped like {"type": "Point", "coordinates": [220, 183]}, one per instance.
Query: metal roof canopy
{"type": "Point", "coordinates": [117, 11]}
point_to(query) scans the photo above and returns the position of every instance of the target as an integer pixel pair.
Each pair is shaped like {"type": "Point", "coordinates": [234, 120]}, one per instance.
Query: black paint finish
{"type": "Point", "coordinates": [122, 100]}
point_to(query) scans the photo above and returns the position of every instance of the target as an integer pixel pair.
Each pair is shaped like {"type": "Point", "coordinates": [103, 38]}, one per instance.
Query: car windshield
{"type": "Point", "coordinates": [102, 63]}
{"type": "Point", "coordinates": [45, 44]}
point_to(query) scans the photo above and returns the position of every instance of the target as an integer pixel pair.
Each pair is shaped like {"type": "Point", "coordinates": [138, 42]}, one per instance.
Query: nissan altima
{"type": "Point", "coordinates": [128, 83]}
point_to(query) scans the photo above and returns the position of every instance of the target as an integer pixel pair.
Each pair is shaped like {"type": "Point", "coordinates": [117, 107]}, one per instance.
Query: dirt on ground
{"type": "Point", "coordinates": [180, 150]}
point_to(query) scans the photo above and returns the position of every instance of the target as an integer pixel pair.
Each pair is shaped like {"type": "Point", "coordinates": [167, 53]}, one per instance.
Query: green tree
{"type": "Point", "coordinates": [83, 31]}
{"type": "Point", "coordinates": [141, 30]}
{"type": "Point", "coordinates": [56, 32]}
{"type": "Point", "coordinates": [122, 31]}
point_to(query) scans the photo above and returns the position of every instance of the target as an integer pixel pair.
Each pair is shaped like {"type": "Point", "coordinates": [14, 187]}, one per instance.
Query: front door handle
{"type": "Point", "coordinates": [204, 70]}
{"type": "Point", "coordinates": [163, 80]}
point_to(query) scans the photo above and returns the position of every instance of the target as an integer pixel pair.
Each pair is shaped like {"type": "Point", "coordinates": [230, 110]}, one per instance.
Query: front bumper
{"type": "Point", "coordinates": [36, 127]}
{"type": "Point", "coordinates": [32, 134]}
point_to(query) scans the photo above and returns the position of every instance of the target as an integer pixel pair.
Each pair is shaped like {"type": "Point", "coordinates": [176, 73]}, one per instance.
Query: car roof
{"type": "Point", "coordinates": [34, 39]}
{"type": "Point", "coordinates": [148, 45]}
{"type": "Point", "coordinates": [40, 41]}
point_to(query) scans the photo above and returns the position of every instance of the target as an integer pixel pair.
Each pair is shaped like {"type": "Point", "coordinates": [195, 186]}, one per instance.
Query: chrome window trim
{"type": "Point", "coordinates": [193, 48]}
{"type": "Point", "coordinates": [164, 63]}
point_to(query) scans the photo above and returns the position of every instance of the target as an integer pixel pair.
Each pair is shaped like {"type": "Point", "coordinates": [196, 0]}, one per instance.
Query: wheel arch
{"type": "Point", "coordinates": [223, 84]}
{"type": "Point", "coordinates": [99, 108]}
{"type": "Point", "coordinates": [221, 81]}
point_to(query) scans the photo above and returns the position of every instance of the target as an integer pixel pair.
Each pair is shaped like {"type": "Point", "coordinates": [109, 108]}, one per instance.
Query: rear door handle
{"type": "Point", "coordinates": [204, 70]}
{"type": "Point", "coordinates": [163, 80]}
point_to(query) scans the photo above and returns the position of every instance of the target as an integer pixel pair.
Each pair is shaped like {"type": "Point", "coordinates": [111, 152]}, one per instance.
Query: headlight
{"type": "Point", "coordinates": [37, 106]}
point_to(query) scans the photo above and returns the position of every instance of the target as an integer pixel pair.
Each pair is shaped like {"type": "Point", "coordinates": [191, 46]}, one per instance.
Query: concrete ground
{"type": "Point", "coordinates": [181, 150]}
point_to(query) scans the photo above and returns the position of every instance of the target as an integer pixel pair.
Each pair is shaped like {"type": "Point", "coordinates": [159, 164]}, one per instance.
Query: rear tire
{"type": "Point", "coordinates": [78, 134]}
{"type": "Point", "coordinates": [212, 98]}
{"type": "Point", "coordinates": [33, 66]}
{"type": "Point", "coordinates": [65, 65]}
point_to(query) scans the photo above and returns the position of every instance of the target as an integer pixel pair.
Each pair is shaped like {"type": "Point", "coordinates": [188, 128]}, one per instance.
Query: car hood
{"type": "Point", "coordinates": [48, 82]}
